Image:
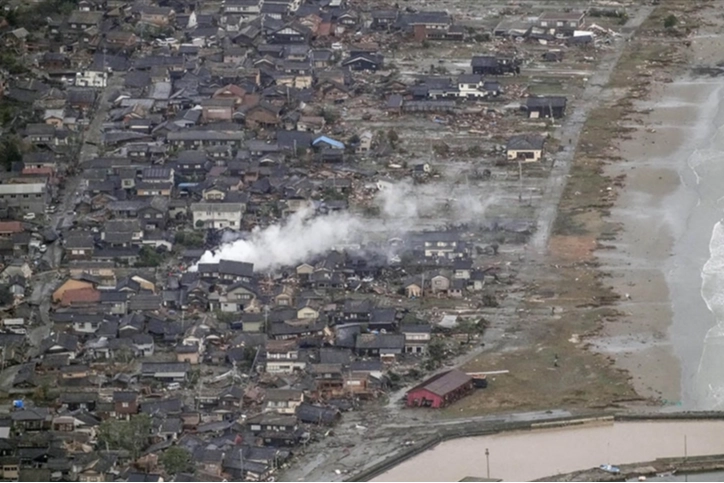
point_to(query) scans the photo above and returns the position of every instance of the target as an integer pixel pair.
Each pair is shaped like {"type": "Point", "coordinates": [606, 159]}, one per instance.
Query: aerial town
{"type": "Point", "coordinates": [232, 232]}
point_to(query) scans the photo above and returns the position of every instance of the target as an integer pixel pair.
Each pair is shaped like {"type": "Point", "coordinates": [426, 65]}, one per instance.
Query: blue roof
{"type": "Point", "coordinates": [330, 141]}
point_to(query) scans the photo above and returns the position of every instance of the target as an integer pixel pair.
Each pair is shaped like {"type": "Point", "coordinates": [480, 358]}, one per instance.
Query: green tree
{"type": "Point", "coordinates": [330, 117]}
{"type": "Point", "coordinates": [131, 435]}
{"type": "Point", "coordinates": [43, 394]}
{"type": "Point", "coordinates": [149, 257]}
{"type": "Point", "coordinates": [6, 298]}
{"type": "Point", "coordinates": [471, 328]}
{"type": "Point", "coordinates": [176, 460]}
{"type": "Point", "coordinates": [189, 239]}
{"type": "Point", "coordinates": [435, 353]}
{"type": "Point", "coordinates": [10, 153]}
{"type": "Point", "coordinates": [392, 136]}
{"type": "Point", "coordinates": [670, 21]}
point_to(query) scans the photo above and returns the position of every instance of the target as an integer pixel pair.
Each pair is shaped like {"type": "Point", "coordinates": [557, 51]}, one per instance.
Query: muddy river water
{"type": "Point", "coordinates": [527, 455]}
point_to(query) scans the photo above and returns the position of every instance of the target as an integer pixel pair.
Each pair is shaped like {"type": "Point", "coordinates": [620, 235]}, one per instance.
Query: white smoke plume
{"type": "Point", "coordinates": [297, 238]}
{"type": "Point", "coordinates": [403, 207]}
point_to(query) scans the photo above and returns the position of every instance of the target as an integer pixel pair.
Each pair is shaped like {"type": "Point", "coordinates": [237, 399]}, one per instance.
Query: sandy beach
{"type": "Point", "coordinates": [667, 211]}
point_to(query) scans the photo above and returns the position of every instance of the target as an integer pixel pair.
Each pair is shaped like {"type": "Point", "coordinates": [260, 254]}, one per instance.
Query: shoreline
{"type": "Point", "coordinates": [654, 267]}
{"type": "Point", "coordinates": [666, 222]}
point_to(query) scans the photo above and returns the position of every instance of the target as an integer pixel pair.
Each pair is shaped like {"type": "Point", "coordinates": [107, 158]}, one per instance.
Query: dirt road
{"type": "Point", "coordinates": [593, 96]}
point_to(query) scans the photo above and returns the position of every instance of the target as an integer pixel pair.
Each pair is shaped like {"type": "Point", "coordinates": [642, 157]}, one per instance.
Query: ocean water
{"type": "Point", "coordinates": [694, 272]}
{"type": "Point", "coordinates": [707, 217]}
{"type": "Point", "coordinates": [710, 375]}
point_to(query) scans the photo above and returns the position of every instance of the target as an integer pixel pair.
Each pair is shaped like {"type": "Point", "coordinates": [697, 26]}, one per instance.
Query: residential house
{"type": "Point", "coordinates": [525, 147]}
{"type": "Point", "coordinates": [166, 371]}
{"type": "Point", "coordinates": [232, 272]}
{"type": "Point", "coordinates": [80, 20]}
{"type": "Point", "coordinates": [262, 114]}
{"type": "Point", "coordinates": [328, 379]}
{"type": "Point", "coordinates": [543, 107]}
{"type": "Point", "coordinates": [79, 245]}
{"type": "Point", "coordinates": [429, 25]}
{"type": "Point", "coordinates": [440, 282]}
{"type": "Point", "coordinates": [60, 344]}
{"type": "Point", "coordinates": [364, 62]}
{"type": "Point", "coordinates": [68, 285]}
{"type": "Point", "coordinates": [283, 401]}
{"type": "Point", "coordinates": [382, 345]}
{"type": "Point", "coordinates": [41, 134]}
{"type": "Point", "coordinates": [247, 9]}
{"type": "Point", "coordinates": [417, 337]}
{"type": "Point", "coordinates": [284, 357]}
{"type": "Point", "coordinates": [217, 215]}
{"type": "Point", "coordinates": [313, 124]}
{"type": "Point", "coordinates": [217, 109]}
{"type": "Point", "coordinates": [462, 269]}
{"type": "Point", "coordinates": [198, 138]}
{"type": "Point", "coordinates": [494, 65]}
{"type": "Point", "coordinates": [561, 22]}
{"type": "Point", "coordinates": [91, 78]}
{"type": "Point", "coordinates": [187, 353]}
{"type": "Point", "coordinates": [25, 197]}
{"type": "Point", "coordinates": [414, 287]}
{"type": "Point", "coordinates": [319, 415]}
{"type": "Point", "coordinates": [125, 404]}
{"type": "Point", "coordinates": [443, 244]}
{"type": "Point", "coordinates": [10, 228]}
{"type": "Point", "coordinates": [275, 429]}
{"type": "Point", "coordinates": [384, 19]}
{"type": "Point", "coordinates": [31, 419]}
{"type": "Point", "coordinates": [157, 17]}
{"type": "Point", "coordinates": [293, 33]}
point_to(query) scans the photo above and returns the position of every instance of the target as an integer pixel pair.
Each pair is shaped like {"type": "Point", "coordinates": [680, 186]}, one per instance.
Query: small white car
{"type": "Point", "coordinates": [43, 248]}
{"type": "Point", "coordinates": [29, 216]}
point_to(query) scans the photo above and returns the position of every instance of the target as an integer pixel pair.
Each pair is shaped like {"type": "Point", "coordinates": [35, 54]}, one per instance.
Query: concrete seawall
{"type": "Point", "coordinates": [486, 429]}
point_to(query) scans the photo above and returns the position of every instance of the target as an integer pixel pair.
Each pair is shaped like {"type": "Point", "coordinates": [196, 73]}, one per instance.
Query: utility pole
{"type": "Point", "coordinates": [487, 461]}
{"type": "Point", "coordinates": [686, 455]}
{"type": "Point", "coordinates": [520, 181]}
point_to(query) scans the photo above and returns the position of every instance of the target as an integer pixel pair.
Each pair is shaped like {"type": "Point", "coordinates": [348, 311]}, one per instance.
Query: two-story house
{"type": "Point", "coordinates": [283, 401]}
{"type": "Point", "coordinates": [217, 215]}
{"type": "Point", "coordinates": [125, 404]}
{"type": "Point", "coordinates": [284, 357]}
{"type": "Point", "coordinates": [248, 9]}
{"type": "Point", "coordinates": [417, 337]}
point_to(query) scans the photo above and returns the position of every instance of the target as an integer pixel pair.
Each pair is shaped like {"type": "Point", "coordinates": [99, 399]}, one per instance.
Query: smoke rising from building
{"type": "Point", "coordinates": [403, 207]}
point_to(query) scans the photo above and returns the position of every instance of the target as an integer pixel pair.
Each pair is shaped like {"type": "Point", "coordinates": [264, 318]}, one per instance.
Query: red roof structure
{"type": "Point", "coordinates": [80, 296]}
{"type": "Point", "coordinates": [440, 390]}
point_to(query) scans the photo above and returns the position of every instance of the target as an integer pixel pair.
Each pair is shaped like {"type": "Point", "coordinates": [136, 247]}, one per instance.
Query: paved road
{"type": "Point", "coordinates": [44, 284]}
{"type": "Point", "coordinates": [592, 97]}
{"type": "Point", "coordinates": [90, 141]}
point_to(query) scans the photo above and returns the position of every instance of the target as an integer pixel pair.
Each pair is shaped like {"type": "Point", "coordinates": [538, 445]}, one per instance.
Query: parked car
{"type": "Point", "coordinates": [29, 216]}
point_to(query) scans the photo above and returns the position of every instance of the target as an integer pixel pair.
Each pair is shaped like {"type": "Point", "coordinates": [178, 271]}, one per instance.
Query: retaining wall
{"type": "Point", "coordinates": [487, 428]}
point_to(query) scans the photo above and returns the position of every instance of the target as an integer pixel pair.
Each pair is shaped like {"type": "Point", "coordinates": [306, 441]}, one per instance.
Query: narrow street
{"type": "Point", "coordinates": [44, 283]}
{"type": "Point", "coordinates": [593, 96]}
